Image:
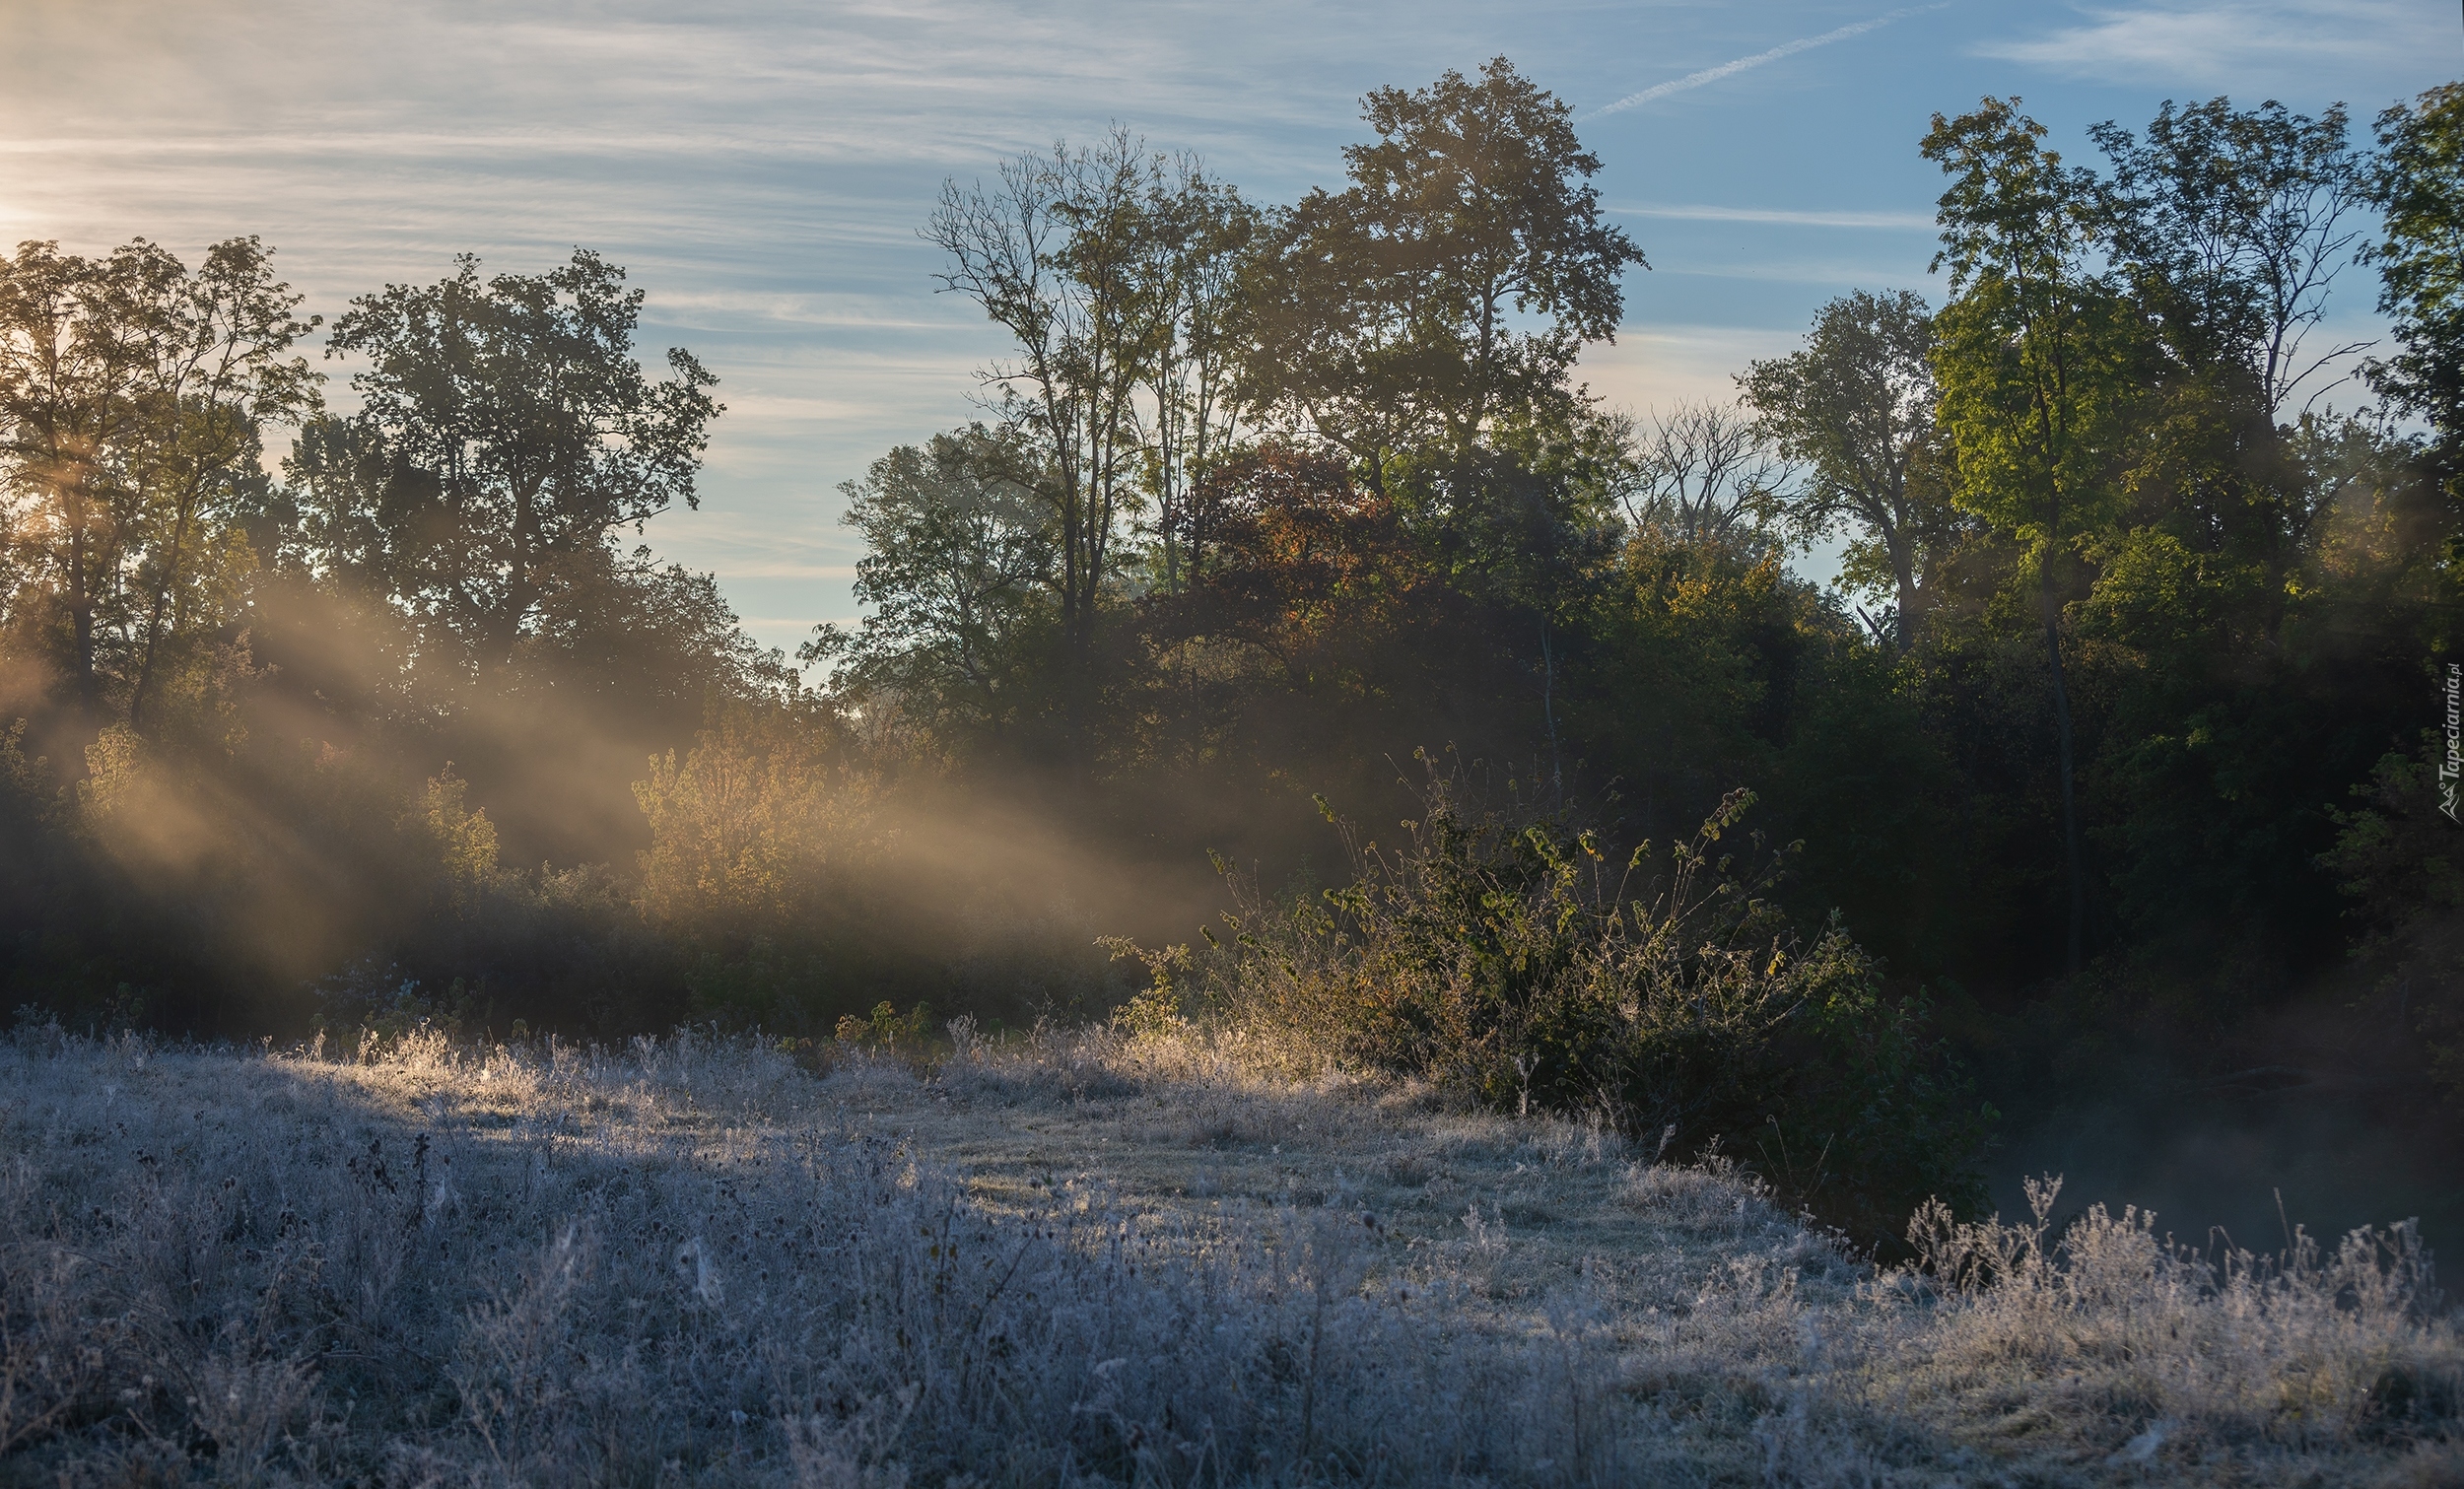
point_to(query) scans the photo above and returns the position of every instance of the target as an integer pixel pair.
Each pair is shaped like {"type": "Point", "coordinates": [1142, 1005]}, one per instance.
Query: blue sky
{"type": "Point", "coordinates": [760, 168]}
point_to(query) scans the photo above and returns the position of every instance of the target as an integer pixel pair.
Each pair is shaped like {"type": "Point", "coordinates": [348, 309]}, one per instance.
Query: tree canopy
{"type": "Point", "coordinates": [505, 432]}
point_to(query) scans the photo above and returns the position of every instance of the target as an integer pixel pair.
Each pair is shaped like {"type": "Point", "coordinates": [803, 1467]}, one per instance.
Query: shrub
{"type": "Point", "coordinates": [886, 1031]}
{"type": "Point", "coordinates": [1516, 962]}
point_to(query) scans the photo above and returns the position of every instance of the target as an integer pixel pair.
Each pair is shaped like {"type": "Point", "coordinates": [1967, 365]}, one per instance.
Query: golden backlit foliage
{"type": "Point", "coordinates": [756, 826]}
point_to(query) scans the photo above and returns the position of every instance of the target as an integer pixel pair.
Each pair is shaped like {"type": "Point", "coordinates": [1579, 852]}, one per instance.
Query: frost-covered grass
{"type": "Point", "coordinates": [1081, 1258]}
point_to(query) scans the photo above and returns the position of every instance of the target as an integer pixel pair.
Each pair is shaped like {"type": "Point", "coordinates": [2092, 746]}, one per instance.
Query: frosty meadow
{"type": "Point", "coordinates": [1078, 1260]}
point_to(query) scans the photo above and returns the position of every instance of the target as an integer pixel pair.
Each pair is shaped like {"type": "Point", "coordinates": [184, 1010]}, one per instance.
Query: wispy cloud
{"type": "Point", "coordinates": [762, 166]}
{"type": "Point", "coordinates": [1659, 366]}
{"type": "Point", "coordinates": [1784, 216]}
{"type": "Point", "coordinates": [2240, 41]}
{"type": "Point", "coordinates": [1694, 80]}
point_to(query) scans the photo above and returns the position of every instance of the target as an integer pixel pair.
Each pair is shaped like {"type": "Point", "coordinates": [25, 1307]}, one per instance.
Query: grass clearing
{"type": "Point", "coordinates": [1077, 1259]}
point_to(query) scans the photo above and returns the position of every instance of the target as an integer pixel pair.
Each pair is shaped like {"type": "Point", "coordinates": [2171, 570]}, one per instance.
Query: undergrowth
{"type": "Point", "coordinates": [1512, 958]}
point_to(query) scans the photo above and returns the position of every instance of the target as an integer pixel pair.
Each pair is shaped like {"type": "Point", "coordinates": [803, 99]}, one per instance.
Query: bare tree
{"type": "Point", "coordinates": [1057, 251]}
{"type": "Point", "coordinates": [1703, 472]}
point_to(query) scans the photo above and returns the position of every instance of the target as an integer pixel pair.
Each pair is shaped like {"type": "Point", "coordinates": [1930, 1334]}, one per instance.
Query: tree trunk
{"type": "Point", "coordinates": [521, 591]}
{"type": "Point", "coordinates": [81, 606]}
{"type": "Point", "coordinates": [1903, 568]}
{"type": "Point", "coordinates": [1548, 711]}
{"type": "Point", "coordinates": [154, 619]}
{"type": "Point", "coordinates": [2074, 944]}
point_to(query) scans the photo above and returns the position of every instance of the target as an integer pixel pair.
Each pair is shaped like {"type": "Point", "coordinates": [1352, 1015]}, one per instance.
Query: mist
{"type": "Point", "coordinates": [1290, 647]}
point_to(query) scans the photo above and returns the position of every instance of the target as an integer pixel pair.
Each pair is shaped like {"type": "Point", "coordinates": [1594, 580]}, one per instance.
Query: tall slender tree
{"type": "Point", "coordinates": [2034, 355]}
{"type": "Point", "coordinates": [1059, 253]}
{"type": "Point", "coordinates": [1200, 235]}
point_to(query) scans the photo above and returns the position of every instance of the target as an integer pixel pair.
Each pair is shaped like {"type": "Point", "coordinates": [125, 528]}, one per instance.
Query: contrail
{"type": "Point", "coordinates": [1785, 49]}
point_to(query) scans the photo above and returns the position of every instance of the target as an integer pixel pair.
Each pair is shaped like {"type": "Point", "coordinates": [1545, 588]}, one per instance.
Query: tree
{"type": "Point", "coordinates": [504, 428]}
{"type": "Point", "coordinates": [958, 569]}
{"type": "Point", "coordinates": [75, 353]}
{"type": "Point", "coordinates": [2034, 355]}
{"type": "Point", "coordinates": [2212, 626]}
{"type": "Point", "coordinates": [1308, 567]}
{"type": "Point", "coordinates": [2418, 188]}
{"type": "Point", "coordinates": [1448, 289]}
{"type": "Point", "coordinates": [1200, 236]}
{"type": "Point", "coordinates": [2233, 225]}
{"type": "Point", "coordinates": [219, 377]}
{"type": "Point", "coordinates": [1855, 408]}
{"type": "Point", "coordinates": [132, 398]}
{"type": "Point", "coordinates": [1059, 253]}
{"type": "Point", "coordinates": [1703, 474]}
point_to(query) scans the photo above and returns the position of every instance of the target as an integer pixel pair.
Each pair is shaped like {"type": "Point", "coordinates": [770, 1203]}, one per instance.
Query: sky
{"type": "Point", "coordinates": [760, 168]}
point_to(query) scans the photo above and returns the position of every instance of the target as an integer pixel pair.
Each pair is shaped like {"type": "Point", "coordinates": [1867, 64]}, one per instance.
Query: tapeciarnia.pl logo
{"type": "Point", "coordinates": [2453, 766]}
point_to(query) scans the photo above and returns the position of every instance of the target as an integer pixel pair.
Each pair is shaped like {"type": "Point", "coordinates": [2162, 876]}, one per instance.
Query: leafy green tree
{"type": "Point", "coordinates": [221, 376]}
{"type": "Point", "coordinates": [958, 575]}
{"type": "Point", "coordinates": [1448, 291]}
{"type": "Point", "coordinates": [2239, 696]}
{"type": "Point", "coordinates": [2037, 360]}
{"type": "Point", "coordinates": [1856, 410]}
{"type": "Point", "coordinates": [1426, 319]}
{"type": "Point", "coordinates": [2419, 190]}
{"type": "Point", "coordinates": [2227, 227]}
{"type": "Point", "coordinates": [75, 354]}
{"type": "Point", "coordinates": [505, 428]}
{"type": "Point", "coordinates": [1683, 666]}
{"type": "Point", "coordinates": [2232, 225]}
{"type": "Point", "coordinates": [133, 395]}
